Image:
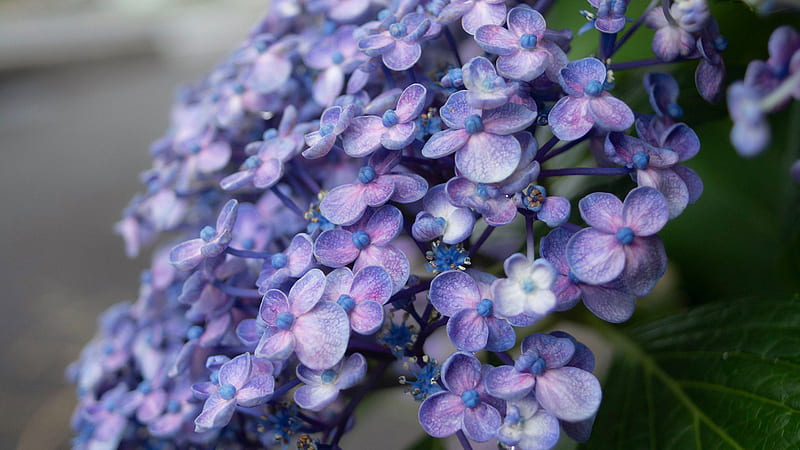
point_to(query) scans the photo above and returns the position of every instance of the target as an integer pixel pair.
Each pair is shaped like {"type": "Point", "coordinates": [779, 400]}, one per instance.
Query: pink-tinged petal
{"type": "Point", "coordinates": [524, 65]}
{"type": "Point", "coordinates": [384, 161]}
{"type": "Point", "coordinates": [306, 292]}
{"type": "Point", "coordinates": [481, 423]}
{"type": "Point", "coordinates": [555, 211]}
{"type": "Point", "coordinates": [322, 335]}
{"type": "Point", "coordinates": [337, 283]}
{"type": "Point", "coordinates": [645, 264]}
{"type": "Point", "coordinates": [461, 372]}
{"type": "Point", "coordinates": [376, 44]}
{"type": "Point", "coordinates": [299, 254]}
{"type": "Point", "coordinates": [441, 414]}
{"type": "Point", "coordinates": [367, 317]}
{"type": "Point", "coordinates": [501, 335]}
{"type": "Point", "coordinates": [692, 180]}
{"type": "Point", "coordinates": [399, 136]}
{"type": "Point", "coordinates": [328, 85]}
{"type": "Point", "coordinates": [236, 180]}
{"type": "Point", "coordinates": [506, 383]}
{"type": "Point", "coordinates": [607, 303]}
{"type": "Point", "coordinates": [273, 303]}
{"type": "Point", "coordinates": [275, 344]}
{"type": "Point", "coordinates": [595, 257]}
{"type": "Point", "coordinates": [670, 42]}
{"type": "Point", "coordinates": [334, 248]}
{"type": "Point", "coordinates": [488, 158]}
{"type": "Point", "coordinates": [556, 351]}
{"type": "Point", "coordinates": [570, 118]}
{"type": "Point", "coordinates": [411, 102]}
{"type": "Point", "coordinates": [602, 211]}
{"type": "Point", "coordinates": [249, 331]}
{"type": "Point", "coordinates": [523, 20]}
{"type": "Point", "coordinates": [468, 330]}
{"type": "Point", "coordinates": [214, 157]}
{"type": "Point", "coordinates": [344, 204]}
{"type": "Point", "coordinates": [390, 258]}
{"type": "Point", "coordinates": [611, 113]}
{"type": "Point", "coordinates": [569, 393]}
{"type": "Point", "coordinates": [315, 397]}
{"type": "Point", "coordinates": [402, 56]}
{"type": "Point", "coordinates": [408, 188]}
{"type": "Point", "coordinates": [268, 73]}
{"type": "Point", "coordinates": [456, 110]}
{"type": "Point", "coordinates": [496, 40]}
{"type": "Point", "coordinates": [379, 191]}
{"type": "Point", "coordinates": [645, 211]}
{"type": "Point", "coordinates": [499, 212]}
{"type": "Point", "coordinates": [217, 412]}
{"type": "Point", "coordinates": [483, 13]}
{"type": "Point", "coordinates": [363, 136]}
{"type": "Point", "coordinates": [236, 371]}
{"type": "Point", "coordinates": [508, 119]}
{"type": "Point", "coordinates": [670, 185]}
{"type": "Point", "coordinates": [268, 173]}
{"type": "Point", "coordinates": [452, 291]}
{"type": "Point", "coordinates": [444, 143]}
{"type": "Point", "coordinates": [384, 225]}
{"type": "Point", "coordinates": [682, 140]}
{"type": "Point", "coordinates": [187, 255]}
{"type": "Point", "coordinates": [371, 283]}
{"type": "Point", "coordinates": [257, 391]}
{"type": "Point", "coordinates": [577, 74]}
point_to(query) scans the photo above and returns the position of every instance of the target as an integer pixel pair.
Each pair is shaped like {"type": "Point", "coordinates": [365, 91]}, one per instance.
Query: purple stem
{"type": "Point", "coordinates": [543, 5]}
{"type": "Point", "coordinates": [641, 63]}
{"type": "Point", "coordinates": [505, 357]}
{"type": "Point", "coordinates": [633, 28]}
{"type": "Point", "coordinates": [529, 237]}
{"type": "Point", "coordinates": [485, 235]}
{"type": "Point", "coordinates": [585, 171]}
{"type": "Point", "coordinates": [451, 41]}
{"type": "Point", "coordinates": [286, 387]}
{"type": "Point", "coordinates": [288, 202]}
{"type": "Point", "coordinates": [237, 292]}
{"type": "Point", "coordinates": [607, 41]}
{"type": "Point", "coordinates": [413, 290]}
{"type": "Point", "coordinates": [463, 440]}
{"type": "Point", "coordinates": [543, 150]}
{"type": "Point", "coordinates": [247, 253]}
{"type": "Point", "coordinates": [563, 148]}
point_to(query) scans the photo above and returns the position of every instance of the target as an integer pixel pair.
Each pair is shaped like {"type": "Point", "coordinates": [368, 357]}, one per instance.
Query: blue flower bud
{"type": "Point", "coordinates": [528, 40]}
{"type": "Point", "coordinates": [398, 30]}
{"type": "Point", "coordinates": [346, 302]}
{"type": "Point", "coordinates": [625, 235]}
{"type": "Point", "coordinates": [253, 162]}
{"type": "Point", "coordinates": [194, 332]}
{"type": "Point", "coordinates": [248, 243]}
{"type": "Point", "coordinates": [208, 233]}
{"type": "Point", "coordinates": [473, 124]}
{"type": "Point", "coordinates": [471, 398]}
{"type": "Point", "coordinates": [328, 376]}
{"type": "Point", "coordinates": [284, 321]}
{"type": "Point", "coordinates": [674, 110]}
{"type": "Point", "coordinates": [360, 239]}
{"type": "Point", "coordinates": [485, 307]}
{"type": "Point", "coordinates": [278, 261]}
{"type": "Point", "coordinates": [640, 160]}
{"type": "Point", "coordinates": [390, 118]}
{"type": "Point", "coordinates": [528, 285]}
{"type": "Point", "coordinates": [593, 88]}
{"type": "Point", "coordinates": [227, 391]}
{"type": "Point", "coordinates": [337, 58]}
{"type": "Point", "coordinates": [325, 129]}
{"type": "Point", "coordinates": [366, 174]}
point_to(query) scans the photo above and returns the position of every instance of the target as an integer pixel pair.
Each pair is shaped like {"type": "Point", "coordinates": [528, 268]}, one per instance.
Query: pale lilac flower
{"type": "Point", "coordinates": [671, 40]}
{"type": "Point", "coordinates": [528, 426]}
{"type": "Point", "coordinates": [212, 241]}
{"type": "Point", "coordinates": [587, 104]}
{"type": "Point", "coordinates": [394, 130]}
{"type": "Point", "coordinates": [487, 200]}
{"type": "Point", "coordinates": [399, 45]}
{"type": "Point", "coordinates": [335, 56]}
{"type": "Point", "coordinates": [440, 218]}
{"type": "Point", "coordinates": [368, 243]}
{"type": "Point", "coordinates": [321, 387]}
{"type": "Point", "coordinates": [271, 65]}
{"type": "Point", "coordinates": [473, 325]}
{"type": "Point", "coordinates": [334, 122]}
{"type": "Point", "coordinates": [750, 134]}
{"type": "Point", "coordinates": [376, 185]}
{"type": "Point", "coordinates": [784, 48]}
{"type": "Point", "coordinates": [361, 295]}
{"type": "Point", "coordinates": [486, 150]}
{"type": "Point", "coordinates": [485, 89]}
{"type": "Point", "coordinates": [569, 393]}
{"type": "Point", "coordinates": [474, 13]}
{"type": "Point", "coordinates": [524, 51]}
{"type": "Point", "coordinates": [300, 323]}
{"type": "Point", "coordinates": [465, 405]}
{"type": "Point", "coordinates": [263, 168]}
{"type": "Point", "coordinates": [527, 290]}
{"type": "Point", "coordinates": [621, 240]}
{"type": "Point", "coordinates": [293, 262]}
{"type": "Point", "coordinates": [243, 381]}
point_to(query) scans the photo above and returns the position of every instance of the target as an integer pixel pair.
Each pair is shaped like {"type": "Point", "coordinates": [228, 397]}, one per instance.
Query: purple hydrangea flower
{"type": "Point", "coordinates": [361, 295]}
{"type": "Point", "coordinates": [399, 44]}
{"type": "Point", "coordinates": [610, 17]}
{"type": "Point", "coordinates": [587, 104]}
{"type": "Point", "coordinates": [569, 393]}
{"type": "Point", "coordinates": [709, 77]}
{"type": "Point", "coordinates": [487, 200]}
{"type": "Point", "coordinates": [316, 331]}
{"type": "Point", "coordinates": [473, 325]}
{"type": "Point", "coordinates": [212, 241]}
{"type": "Point", "coordinates": [321, 387]}
{"type": "Point", "coordinates": [263, 168]}
{"type": "Point", "coordinates": [394, 130]}
{"type": "Point", "coordinates": [294, 262]}
{"type": "Point", "coordinates": [474, 13]}
{"type": "Point", "coordinates": [270, 64]}
{"type": "Point", "coordinates": [440, 218]}
{"type": "Point", "coordinates": [485, 89]}
{"type": "Point", "coordinates": [552, 210]}
{"type": "Point", "coordinates": [334, 122]}
{"type": "Point", "coordinates": [486, 150]}
{"type": "Point", "coordinates": [783, 46]}
{"type": "Point", "coordinates": [376, 185]}
{"type": "Point", "coordinates": [663, 91]}
{"type": "Point", "coordinates": [527, 290]}
{"type": "Point", "coordinates": [671, 39]}
{"type": "Point", "coordinates": [368, 243]}
{"type": "Point", "coordinates": [335, 56]}
{"type": "Point", "coordinates": [750, 134]}
{"type": "Point", "coordinates": [621, 240]}
{"type": "Point", "coordinates": [465, 405]}
{"type": "Point", "coordinates": [610, 301]}
{"type": "Point", "coordinates": [528, 426]}
{"type": "Point", "coordinates": [243, 381]}
{"type": "Point", "coordinates": [524, 50]}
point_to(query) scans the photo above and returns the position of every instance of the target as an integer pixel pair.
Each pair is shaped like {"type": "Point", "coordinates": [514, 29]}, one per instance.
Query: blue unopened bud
{"type": "Point", "coordinates": [485, 307]}
{"type": "Point", "coordinates": [346, 302]}
{"type": "Point", "coordinates": [227, 391]}
{"type": "Point", "coordinates": [538, 366]}
{"type": "Point", "coordinates": [253, 162]}
{"type": "Point", "coordinates": [528, 285]}
{"type": "Point", "coordinates": [238, 89]}
{"type": "Point", "coordinates": [360, 239]}
{"type": "Point", "coordinates": [513, 416]}
{"type": "Point", "coordinates": [248, 243]}
{"type": "Point", "coordinates": [145, 387]}
{"type": "Point", "coordinates": [328, 375]}
{"type": "Point", "coordinates": [278, 261]}
{"type": "Point", "coordinates": [325, 129]}
{"type": "Point", "coordinates": [208, 233]}
{"type": "Point", "coordinates": [473, 124]}
{"type": "Point", "coordinates": [640, 160]}
{"type": "Point", "coordinates": [528, 40]}
{"type": "Point", "coordinates": [471, 398]}
{"type": "Point", "coordinates": [674, 110]}
{"type": "Point", "coordinates": [337, 57]}
{"type": "Point", "coordinates": [384, 13]}
{"type": "Point", "coordinates": [195, 149]}
{"type": "Point", "coordinates": [284, 321]}
{"type": "Point", "coordinates": [366, 174]}
{"type": "Point", "coordinates": [390, 118]}
{"type": "Point", "coordinates": [482, 190]}
{"type": "Point", "coordinates": [593, 88]}
{"type": "Point", "coordinates": [397, 30]}
{"type": "Point", "coordinates": [456, 77]}
{"type": "Point", "coordinates": [625, 235]}
{"type": "Point", "coordinates": [720, 43]}
{"type": "Point", "coordinates": [269, 134]}
{"type": "Point", "coordinates": [194, 332]}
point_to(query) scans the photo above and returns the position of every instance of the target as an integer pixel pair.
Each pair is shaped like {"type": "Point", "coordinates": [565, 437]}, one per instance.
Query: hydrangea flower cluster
{"type": "Point", "coordinates": [324, 198]}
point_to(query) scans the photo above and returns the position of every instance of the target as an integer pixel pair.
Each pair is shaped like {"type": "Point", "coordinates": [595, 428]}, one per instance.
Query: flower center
{"type": "Point", "coordinates": [482, 190]}
{"type": "Point", "coordinates": [253, 162]}
{"type": "Point", "coordinates": [674, 110]}
{"type": "Point", "coordinates": [366, 174]}
{"type": "Point", "coordinates": [284, 321]}
{"type": "Point", "coordinates": [485, 307]}
{"type": "Point", "coordinates": [227, 391]}
{"type": "Point", "coordinates": [195, 149]}
{"type": "Point", "coordinates": [173, 406]}
{"type": "Point", "coordinates": [528, 41]}
{"type": "Point", "coordinates": [640, 160]}
{"type": "Point", "coordinates": [470, 398]}
{"type": "Point", "coordinates": [208, 233]}
{"type": "Point", "coordinates": [397, 30]}
{"type": "Point", "coordinates": [325, 129]}
{"type": "Point", "coordinates": [328, 375]}
{"type": "Point", "coordinates": [528, 285]}
{"type": "Point", "coordinates": [533, 197]}
{"type": "Point", "coordinates": [248, 243]}
{"type": "Point", "coordinates": [390, 118]}
{"type": "Point", "coordinates": [473, 124]}
{"type": "Point", "coordinates": [278, 261]}
{"type": "Point", "coordinates": [194, 332]}
{"type": "Point", "coordinates": [593, 88]}
{"type": "Point", "coordinates": [361, 239]}
{"type": "Point", "coordinates": [625, 235]}
{"type": "Point", "coordinates": [337, 57]}
{"type": "Point", "coordinates": [346, 302]}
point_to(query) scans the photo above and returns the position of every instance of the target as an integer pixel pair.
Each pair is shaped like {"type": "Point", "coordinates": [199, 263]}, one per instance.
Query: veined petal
{"type": "Point", "coordinates": [645, 264]}
{"type": "Point", "coordinates": [468, 330]}
{"type": "Point", "coordinates": [568, 393]}
{"type": "Point", "coordinates": [611, 113]}
{"type": "Point", "coordinates": [481, 423]}
{"type": "Point", "coordinates": [506, 383]}
{"type": "Point", "coordinates": [602, 211]}
{"type": "Point", "coordinates": [363, 136]}
{"type": "Point", "coordinates": [444, 143]}
{"type": "Point", "coordinates": [344, 204]}
{"type": "Point", "coordinates": [441, 414]}
{"type": "Point", "coordinates": [488, 158]}
{"type": "Point", "coordinates": [570, 118]}
{"type": "Point", "coordinates": [496, 40]}
{"type": "Point", "coordinates": [453, 291]}
{"type": "Point", "coordinates": [595, 257]}
{"type": "Point", "coordinates": [334, 248]}
{"type": "Point", "coordinates": [322, 336]}
{"type": "Point", "coordinates": [645, 211]}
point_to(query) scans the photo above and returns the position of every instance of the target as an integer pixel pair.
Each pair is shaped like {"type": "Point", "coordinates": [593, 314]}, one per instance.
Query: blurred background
{"type": "Point", "coordinates": [85, 86]}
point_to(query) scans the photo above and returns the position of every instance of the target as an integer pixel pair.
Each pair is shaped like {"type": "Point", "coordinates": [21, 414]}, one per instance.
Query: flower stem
{"type": "Point", "coordinates": [289, 203]}
{"type": "Point", "coordinates": [633, 28]}
{"type": "Point", "coordinates": [642, 63]}
{"type": "Point", "coordinates": [286, 387]}
{"type": "Point", "coordinates": [563, 148]}
{"type": "Point", "coordinates": [237, 292]}
{"type": "Point", "coordinates": [584, 171]}
{"type": "Point", "coordinates": [529, 237]}
{"type": "Point", "coordinates": [247, 253]}
{"type": "Point", "coordinates": [463, 440]}
{"type": "Point", "coordinates": [485, 235]}
{"type": "Point", "coordinates": [451, 41]}
{"type": "Point", "coordinates": [544, 149]}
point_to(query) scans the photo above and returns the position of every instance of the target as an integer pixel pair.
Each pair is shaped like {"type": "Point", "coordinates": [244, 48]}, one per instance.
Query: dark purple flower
{"type": "Point", "coordinates": [784, 48]}
{"type": "Point", "coordinates": [212, 241]}
{"type": "Point", "coordinates": [671, 40]}
{"type": "Point", "coordinates": [486, 150]}
{"type": "Point", "coordinates": [474, 13]}
{"type": "Point", "coordinates": [527, 290]}
{"type": "Point", "coordinates": [321, 387]}
{"type": "Point", "coordinates": [567, 392]}
{"type": "Point", "coordinates": [399, 44]}
{"type": "Point", "coordinates": [465, 405]}
{"type": "Point", "coordinates": [710, 74]}
{"type": "Point", "coordinates": [334, 121]}
{"type": "Point", "coordinates": [243, 381]}
{"type": "Point", "coordinates": [440, 218]}
{"type": "Point", "coordinates": [361, 295]}
{"type": "Point", "coordinates": [294, 262]}
{"type": "Point", "coordinates": [394, 130]}
{"type": "Point", "coordinates": [663, 91]}
{"type": "Point", "coordinates": [300, 323]}
{"type": "Point", "coordinates": [368, 243]}
{"type": "Point", "coordinates": [587, 104]}
{"type": "Point", "coordinates": [376, 185]}
{"type": "Point", "coordinates": [621, 240]}
{"type": "Point", "coordinates": [524, 51]}
{"type": "Point", "coordinates": [473, 325]}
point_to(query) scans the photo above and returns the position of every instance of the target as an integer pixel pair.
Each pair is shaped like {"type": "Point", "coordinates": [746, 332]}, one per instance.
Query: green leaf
{"type": "Point", "coordinates": [723, 375]}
